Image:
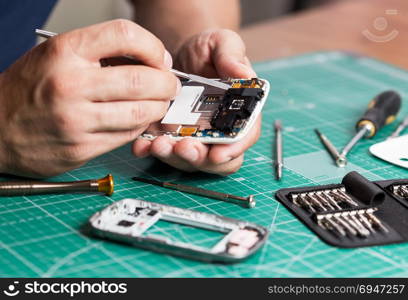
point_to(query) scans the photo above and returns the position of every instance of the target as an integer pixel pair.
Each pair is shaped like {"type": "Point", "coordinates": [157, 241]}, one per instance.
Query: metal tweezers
{"type": "Point", "coordinates": [211, 82]}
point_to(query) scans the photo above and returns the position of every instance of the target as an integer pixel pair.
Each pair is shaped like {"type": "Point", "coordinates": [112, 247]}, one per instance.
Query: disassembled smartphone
{"type": "Point", "coordinates": [213, 115]}
{"type": "Point", "coordinates": [129, 219]}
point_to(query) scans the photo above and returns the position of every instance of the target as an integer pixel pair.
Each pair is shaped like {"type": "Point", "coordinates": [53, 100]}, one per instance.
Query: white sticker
{"type": "Point", "coordinates": [393, 150]}
{"type": "Point", "coordinates": [180, 110]}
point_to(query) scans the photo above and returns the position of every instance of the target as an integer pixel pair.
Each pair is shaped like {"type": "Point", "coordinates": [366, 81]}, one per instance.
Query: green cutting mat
{"type": "Point", "coordinates": [45, 236]}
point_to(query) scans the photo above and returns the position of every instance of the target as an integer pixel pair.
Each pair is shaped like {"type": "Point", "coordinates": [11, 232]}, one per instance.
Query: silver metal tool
{"type": "Point", "coordinates": [344, 222]}
{"type": "Point", "coordinates": [330, 147]}
{"type": "Point", "coordinates": [360, 227]}
{"type": "Point", "coordinates": [324, 200]}
{"type": "Point", "coordinates": [44, 33]}
{"type": "Point", "coordinates": [335, 226]}
{"type": "Point", "coordinates": [327, 222]}
{"type": "Point", "coordinates": [366, 222]}
{"type": "Point", "coordinates": [400, 190]}
{"type": "Point", "coordinates": [200, 79]}
{"type": "Point", "coordinates": [400, 128]}
{"type": "Point", "coordinates": [22, 188]}
{"type": "Point", "coordinates": [358, 222]}
{"type": "Point", "coordinates": [301, 201]}
{"type": "Point", "coordinates": [315, 201]}
{"type": "Point", "coordinates": [382, 110]}
{"type": "Point", "coordinates": [192, 77]}
{"type": "Point", "coordinates": [362, 132]}
{"type": "Point", "coordinates": [248, 202]}
{"type": "Point", "coordinates": [329, 199]}
{"type": "Point", "coordinates": [370, 215]}
{"type": "Point", "coordinates": [278, 150]}
{"type": "Point", "coordinates": [346, 197]}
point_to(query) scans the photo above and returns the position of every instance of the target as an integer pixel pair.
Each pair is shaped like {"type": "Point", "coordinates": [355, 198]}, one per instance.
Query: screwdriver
{"type": "Point", "coordinates": [382, 110]}
{"type": "Point", "coordinates": [248, 202]}
{"type": "Point", "coordinates": [400, 128]}
{"type": "Point", "coordinates": [23, 188]}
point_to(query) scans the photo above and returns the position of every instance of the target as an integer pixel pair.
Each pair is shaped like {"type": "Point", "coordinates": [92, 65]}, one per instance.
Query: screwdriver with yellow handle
{"type": "Point", "coordinates": [382, 110]}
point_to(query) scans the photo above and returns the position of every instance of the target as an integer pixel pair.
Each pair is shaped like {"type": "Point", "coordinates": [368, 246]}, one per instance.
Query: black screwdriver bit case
{"type": "Point", "coordinates": [392, 210]}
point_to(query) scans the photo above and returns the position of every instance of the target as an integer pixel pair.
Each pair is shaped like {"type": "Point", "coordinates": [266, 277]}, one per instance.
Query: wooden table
{"type": "Point", "coordinates": [332, 27]}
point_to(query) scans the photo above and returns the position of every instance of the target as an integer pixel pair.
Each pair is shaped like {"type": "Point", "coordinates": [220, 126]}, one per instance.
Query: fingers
{"type": "Point", "coordinates": [163, 149]}
{"type": "Point", "coordinates": [103, 142]}
{"type": "Point", "coordinates": [224, 169]}
{"type": "Point", "coordinates": [187, 150]}
{"type": "Point", "coordinates": [129, 83]}
{"type": "Point", "coordinates": [192, 151]}
{"type": "Point", "coordinates": [229, 55]}
{"type": "Point", "coordinates": [220, 154]}
{"type": "Point", "coordinates": [126, 115]}
{"type": "Point", "coordinates": [187, 155]}
{"type": "Point", "coordinates": [118, 38]}
{"type": "Point", "coordinates": [141, 148]}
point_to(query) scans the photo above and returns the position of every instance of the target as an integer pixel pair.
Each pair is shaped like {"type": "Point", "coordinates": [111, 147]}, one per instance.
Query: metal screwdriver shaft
{"type": "Point", "coordinates": [218, 84]}
{"type": "Point", "coordinates": [328, 145]}
{"type": "Point", "coordinates": [248, 202]}
{"type": "Point", "coordinates": [23, 188]}
{"type": "Point", "coordinates": [278, 150]}
{"type": "Point", "coordinates": [400, 128]}
{"type": "Point", "coordinates": [381, 111]}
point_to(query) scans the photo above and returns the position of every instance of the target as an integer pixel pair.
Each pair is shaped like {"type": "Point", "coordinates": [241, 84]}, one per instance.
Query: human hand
{"type": "Point", "coordinates": [59, 108]}
{"type": "Point", "coordinates": [215, 53]}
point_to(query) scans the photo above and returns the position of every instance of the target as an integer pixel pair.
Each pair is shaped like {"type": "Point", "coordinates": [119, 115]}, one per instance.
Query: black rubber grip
{"type": "Point", "coordinates": [363, 189]}
{"type": "Point", "coordinates": [382, 110]}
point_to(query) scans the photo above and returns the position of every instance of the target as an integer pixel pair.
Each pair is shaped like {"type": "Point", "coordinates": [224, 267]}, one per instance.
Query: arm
{"type": "Point", "coordinates": [175, 21]}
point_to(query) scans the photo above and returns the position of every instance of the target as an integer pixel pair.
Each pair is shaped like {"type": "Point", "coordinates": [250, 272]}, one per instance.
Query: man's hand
{"type": "Point", "coordinates": [59, 108]}
{"type": "Point", "coordinates": [216, 53]}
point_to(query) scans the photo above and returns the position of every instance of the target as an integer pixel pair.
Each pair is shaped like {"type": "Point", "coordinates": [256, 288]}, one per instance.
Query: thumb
{"type": "Point", "coordinates": [229, 56]}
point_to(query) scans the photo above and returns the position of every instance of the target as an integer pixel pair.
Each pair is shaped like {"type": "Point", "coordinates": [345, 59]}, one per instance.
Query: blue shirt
{"type": "Point", "coordinates": [18, 20]}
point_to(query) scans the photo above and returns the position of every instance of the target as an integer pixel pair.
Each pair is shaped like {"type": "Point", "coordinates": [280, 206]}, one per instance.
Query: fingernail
{"type": "Point", "coordinates": [248, 70]}
{"type": "Point", "coordinates": [168, 61]}
{"type": "Point", "coordinates": [190, 154]}
{"type": "Point", "coordinates": [178, 87]}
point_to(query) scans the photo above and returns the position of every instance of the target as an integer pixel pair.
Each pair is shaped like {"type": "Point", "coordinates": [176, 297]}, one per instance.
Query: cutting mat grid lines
{"type": "Point", "coordinates": [46, 236]}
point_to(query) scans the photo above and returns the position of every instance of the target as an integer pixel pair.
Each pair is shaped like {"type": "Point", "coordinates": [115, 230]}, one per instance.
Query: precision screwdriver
{"type": "Point", "coordinates": [33, 187]}
{"type": "Point", "coordinates": [278, 150]}
{"type": "Point", "coordinates": [382, 110]}
{"type": "Point", "coordinates": [248, 201]}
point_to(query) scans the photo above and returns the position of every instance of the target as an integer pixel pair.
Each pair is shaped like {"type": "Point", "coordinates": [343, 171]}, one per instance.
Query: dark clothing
{"type": "Point", "coordinates": [18, 20]}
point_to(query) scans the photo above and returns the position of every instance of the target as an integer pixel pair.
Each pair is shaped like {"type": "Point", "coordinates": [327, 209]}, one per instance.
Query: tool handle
{"type": "Point", "coordinates": [22, 188]}
{"type": "Point", "coordinates": [381, 111]}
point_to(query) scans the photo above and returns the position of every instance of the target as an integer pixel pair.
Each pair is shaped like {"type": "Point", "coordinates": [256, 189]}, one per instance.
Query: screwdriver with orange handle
{"type": "Point", "coordinates": [382, 110]}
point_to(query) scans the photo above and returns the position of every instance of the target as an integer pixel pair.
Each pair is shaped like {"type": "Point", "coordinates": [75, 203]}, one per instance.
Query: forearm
{"type": "Point", "coordinates": [176, 20]}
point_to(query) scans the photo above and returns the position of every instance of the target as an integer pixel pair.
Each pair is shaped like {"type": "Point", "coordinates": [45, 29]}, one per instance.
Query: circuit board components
{"type": "Point", "coordinates": [210, 114]}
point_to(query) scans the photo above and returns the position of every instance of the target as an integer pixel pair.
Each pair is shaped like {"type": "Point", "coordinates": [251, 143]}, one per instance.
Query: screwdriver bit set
{"type": "Point", "coordinates": [400, 191]}
{"type": "Point", "coordinates": [355, 213]}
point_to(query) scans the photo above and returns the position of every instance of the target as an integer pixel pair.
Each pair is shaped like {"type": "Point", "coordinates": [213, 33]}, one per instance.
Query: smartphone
{"type": "Point", "coordinates": [177, 231]}
{"type": "Point", "coordinates": [212, 115]}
